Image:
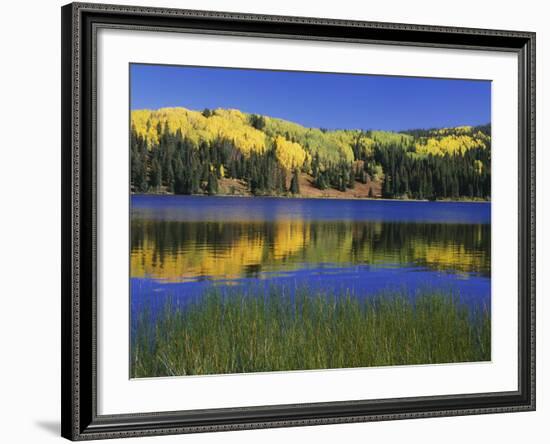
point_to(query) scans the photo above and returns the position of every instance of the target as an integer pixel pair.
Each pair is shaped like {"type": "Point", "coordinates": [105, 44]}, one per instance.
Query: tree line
{"type": "Point", "coordinates": [179, 165]}
{"type": "Point", "coordinates": [464, 175]}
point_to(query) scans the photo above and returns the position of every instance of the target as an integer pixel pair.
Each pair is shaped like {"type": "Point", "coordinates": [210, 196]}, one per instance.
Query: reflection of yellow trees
{"type": "Point", "coordinates": [290, 238]}
{"type": "Point", "coordinates": [449, 256]}
{"type": "Point", "coordinates": [289, 244]}
{"type": "Point", "coordinates": [251, 249]}
{"type": "Point", "coordinates": [197, 260]}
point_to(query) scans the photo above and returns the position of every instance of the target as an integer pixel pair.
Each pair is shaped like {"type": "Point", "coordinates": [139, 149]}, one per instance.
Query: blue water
{"type": "Point", "coordinates": [183, 246]}
{"type": "Point", "coordinates": [227, 209]}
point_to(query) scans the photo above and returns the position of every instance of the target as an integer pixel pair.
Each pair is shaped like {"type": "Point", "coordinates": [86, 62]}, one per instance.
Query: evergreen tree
{"type": "Point", "coordinates": [295, 183]}
{"type": "Point", "coordinates": [404, 165]}
{"type": "Point", "coordinates": [156, 175]}
{"type": "Point", "coordinates": [212, 186]}
{"type": "Point", "coordinates": [258, 122]}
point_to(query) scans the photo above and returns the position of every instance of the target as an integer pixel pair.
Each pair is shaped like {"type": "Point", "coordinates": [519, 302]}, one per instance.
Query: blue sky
{"type": "Point", "coordinates": [316, 99]}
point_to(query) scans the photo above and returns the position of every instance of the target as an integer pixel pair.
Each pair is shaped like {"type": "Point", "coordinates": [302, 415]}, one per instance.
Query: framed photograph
{"type": "Point", "coordinates": [281, 221]}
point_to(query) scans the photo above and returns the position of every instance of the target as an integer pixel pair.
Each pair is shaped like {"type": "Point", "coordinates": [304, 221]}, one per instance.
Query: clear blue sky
{"type": "Point", "coordinates": [316, 99]}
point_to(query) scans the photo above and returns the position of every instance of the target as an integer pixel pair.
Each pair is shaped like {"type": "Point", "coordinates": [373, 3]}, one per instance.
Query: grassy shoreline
{"type": "Point", "coordinates": [239, 332]}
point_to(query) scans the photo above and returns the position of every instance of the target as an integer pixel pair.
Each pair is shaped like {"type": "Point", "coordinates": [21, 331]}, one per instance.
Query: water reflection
{"type": "Point", "coordinates": [183, 250]}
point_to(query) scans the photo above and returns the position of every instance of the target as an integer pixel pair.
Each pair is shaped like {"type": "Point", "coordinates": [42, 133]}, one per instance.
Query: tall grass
{"type": "Point", "coordinates": [256, 330]}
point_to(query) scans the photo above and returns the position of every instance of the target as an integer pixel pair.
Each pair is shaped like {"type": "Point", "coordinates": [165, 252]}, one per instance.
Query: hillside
{"type": "Point", "coordinates": [225, 151]}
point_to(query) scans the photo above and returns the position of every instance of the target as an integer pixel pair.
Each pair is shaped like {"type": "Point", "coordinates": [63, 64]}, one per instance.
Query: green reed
{"type": "Point", "coordinates": [260, 330]}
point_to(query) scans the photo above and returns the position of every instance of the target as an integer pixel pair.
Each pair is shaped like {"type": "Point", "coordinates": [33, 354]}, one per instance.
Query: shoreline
{"type": "Point", "coordinates": [383, 199]}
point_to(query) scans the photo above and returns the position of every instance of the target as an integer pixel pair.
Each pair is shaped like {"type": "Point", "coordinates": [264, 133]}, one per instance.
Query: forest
{"type": "Point", "coordinates": [224, 151]}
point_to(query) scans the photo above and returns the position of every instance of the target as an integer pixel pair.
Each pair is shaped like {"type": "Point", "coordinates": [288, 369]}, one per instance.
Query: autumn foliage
{"type": "Point", "coordinates": [183, 151]}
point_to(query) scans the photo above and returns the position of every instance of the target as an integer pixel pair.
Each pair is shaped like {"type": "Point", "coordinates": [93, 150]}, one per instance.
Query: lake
{"type": "Point", "coordinates": [182, 246]}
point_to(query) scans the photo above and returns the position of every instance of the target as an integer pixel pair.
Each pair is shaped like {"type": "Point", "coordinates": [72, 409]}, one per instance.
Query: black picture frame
{"type": "Point", "coordinates": [80, 22]}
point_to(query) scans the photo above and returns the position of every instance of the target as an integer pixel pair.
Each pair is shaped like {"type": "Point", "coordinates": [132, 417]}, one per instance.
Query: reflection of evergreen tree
{"type": "Point", "coordinates": [366, 242]}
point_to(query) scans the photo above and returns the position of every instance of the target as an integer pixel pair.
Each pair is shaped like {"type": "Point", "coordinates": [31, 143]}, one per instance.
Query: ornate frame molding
{"type": "Point", "coordinates": [79, 395]}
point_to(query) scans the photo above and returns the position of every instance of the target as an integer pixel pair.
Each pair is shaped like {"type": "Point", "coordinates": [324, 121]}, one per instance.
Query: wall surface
{"type": "Point", "coordinates": [30, 221]}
